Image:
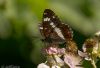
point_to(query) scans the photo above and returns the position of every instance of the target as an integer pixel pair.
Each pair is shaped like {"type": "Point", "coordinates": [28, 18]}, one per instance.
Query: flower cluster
{"type": "Point", "coordinates": [70, 56]}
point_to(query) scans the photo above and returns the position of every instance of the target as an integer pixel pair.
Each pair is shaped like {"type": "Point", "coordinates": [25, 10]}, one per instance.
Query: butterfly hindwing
{"type": "Point", "coordinates": [66, 31]}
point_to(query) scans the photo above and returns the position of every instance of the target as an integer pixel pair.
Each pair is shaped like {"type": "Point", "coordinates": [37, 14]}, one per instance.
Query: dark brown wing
{"type": "Point", "coordinates": [49, 17]}
{"type": "Point", "coordinates": [66, 31]}
{"type": "Point", "coordinates": [46, 28]}
{"type": "Point", "coordinates": [51, 28]}
{"type": "Point", "coordinates": [52, 16]}
{"type": "Point", "coordinates": [62, 30]}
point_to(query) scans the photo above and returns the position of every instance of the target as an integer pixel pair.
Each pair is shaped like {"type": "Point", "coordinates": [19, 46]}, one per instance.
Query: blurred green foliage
{"type": "Point", "coordinates": [20, 40]}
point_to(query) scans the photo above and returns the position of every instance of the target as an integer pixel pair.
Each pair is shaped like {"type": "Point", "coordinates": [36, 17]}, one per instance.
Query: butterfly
{"type": "Point", "coordinates": [53, 30]}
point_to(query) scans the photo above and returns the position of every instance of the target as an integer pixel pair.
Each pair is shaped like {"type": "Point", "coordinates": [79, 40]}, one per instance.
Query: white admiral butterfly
{"type": "Point", "coordinates": [53, 30]}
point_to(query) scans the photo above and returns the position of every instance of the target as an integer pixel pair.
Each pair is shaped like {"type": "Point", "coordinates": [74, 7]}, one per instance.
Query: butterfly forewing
{"type": "Point", "coordinates": [50, 16]}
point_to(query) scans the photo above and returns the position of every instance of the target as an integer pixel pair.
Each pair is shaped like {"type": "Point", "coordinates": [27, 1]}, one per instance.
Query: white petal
{"type": "Point", "coordinates": [59, 60]}
{"type": "Point", "coordinates": [55, 66]}
{"type": "Point", "coordinates": [43, 65]}
{"type": "Point", "coordinates": [72, 60]}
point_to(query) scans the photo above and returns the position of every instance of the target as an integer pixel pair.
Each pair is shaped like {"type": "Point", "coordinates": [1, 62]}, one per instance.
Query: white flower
{"type": "Point", "coordinates": [72, 60]}
{"type": "Point", "coordinates": [43, 65]}
{"type": "Point", "coordinates": [84, 55]}
{"type": "Point", "coordinates": [55, 66]}
{"type": "Point", "coordinates": [97, 34]}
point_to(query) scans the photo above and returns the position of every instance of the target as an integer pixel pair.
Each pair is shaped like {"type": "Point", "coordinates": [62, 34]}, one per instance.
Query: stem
{"type": "Point", "coordinates": [93, 63]}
